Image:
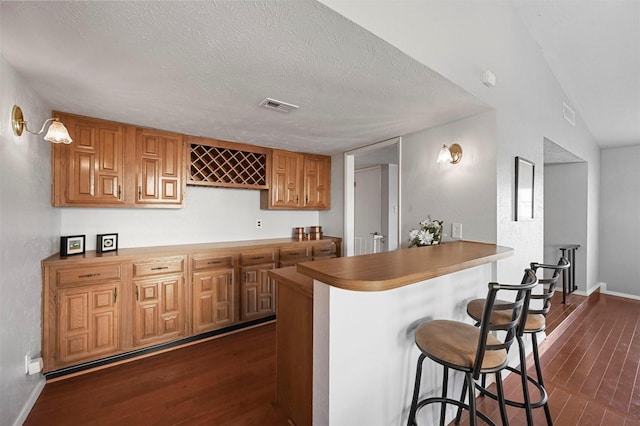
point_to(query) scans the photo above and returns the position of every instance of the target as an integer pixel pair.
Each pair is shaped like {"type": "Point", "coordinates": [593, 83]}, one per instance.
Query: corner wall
{"type": "Point", "coordinates": [620, 221]}
{"type": "Point", "coordinates": [29, 227]}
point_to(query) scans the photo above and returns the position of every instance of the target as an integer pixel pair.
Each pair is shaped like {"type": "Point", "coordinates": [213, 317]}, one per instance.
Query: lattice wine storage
{"type": "Point", "coordinates": [227, 164]}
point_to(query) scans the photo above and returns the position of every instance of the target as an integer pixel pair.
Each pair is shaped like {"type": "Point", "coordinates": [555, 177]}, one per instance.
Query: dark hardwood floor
{"type": "Point", "coordinates": [591, 367]}
{"type": "Point", "coordinates": [225, 381]}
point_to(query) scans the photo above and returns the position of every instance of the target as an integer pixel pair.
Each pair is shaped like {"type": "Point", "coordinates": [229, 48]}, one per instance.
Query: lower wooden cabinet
{"type": "Point", "coordinates": [258, 294]}
{"type": "Point", "coordinates": [88, 322]}
{"type": "Point", "coordinates": [101, 305]}
{"type": "Point", "coordinates": [159, 309]}
{"type": "Point", "coordinates": [213, 292]}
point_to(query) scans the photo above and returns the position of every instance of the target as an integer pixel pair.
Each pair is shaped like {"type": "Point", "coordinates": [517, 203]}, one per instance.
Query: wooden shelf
{"type": "Point", "coordinates": [226, 164]}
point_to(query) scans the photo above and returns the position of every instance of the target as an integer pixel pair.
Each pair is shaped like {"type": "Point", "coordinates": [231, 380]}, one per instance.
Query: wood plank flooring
{"type": "Point", "coordinates": [226, 381]}
{"type": "Point", "coordinates": [591, 368]}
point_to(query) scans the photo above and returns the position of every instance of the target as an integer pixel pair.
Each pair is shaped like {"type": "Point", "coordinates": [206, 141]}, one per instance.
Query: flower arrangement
{"type": "Point", "coordinates": [429, 233]}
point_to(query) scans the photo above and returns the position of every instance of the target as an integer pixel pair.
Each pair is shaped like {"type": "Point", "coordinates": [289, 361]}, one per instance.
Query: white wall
{"type": "Point", "coordinates": [465, 192]}
{"type": "Point", "coordinates": [565, 215]}
{"type": "Point", "coordinates": [210, 215]}
{"type": "Point", "coordinates": [620, 220]}
{"type": "Point", "coordinates": [461, 39]}
{"type": "Point", "coordinates": [29, 230]}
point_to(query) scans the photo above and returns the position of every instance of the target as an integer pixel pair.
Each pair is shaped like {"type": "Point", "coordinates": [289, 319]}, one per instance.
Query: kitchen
{"type": "Point", "coordinates": [490, 140]}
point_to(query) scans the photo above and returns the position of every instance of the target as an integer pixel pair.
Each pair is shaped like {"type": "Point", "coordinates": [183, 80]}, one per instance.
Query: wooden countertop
{"type": "Point", "coordinates": [290, 276]}
{"type": "Point", "coordinates": [385, 271]}
{"type": "Point", "coordinates": [181, 249]}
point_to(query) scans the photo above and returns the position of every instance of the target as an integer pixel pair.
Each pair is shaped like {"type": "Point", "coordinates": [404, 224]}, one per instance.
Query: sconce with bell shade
{"type": "Point", "coordinates": [451, 154]}
{"type": "Point", "coordinates": [57, 133]}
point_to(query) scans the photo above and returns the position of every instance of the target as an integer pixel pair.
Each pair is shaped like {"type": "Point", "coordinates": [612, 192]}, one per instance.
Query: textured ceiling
{"type": "Point", "coordinates": [201, 68]}
{"type": "Point", "coordinates": [593, 48]}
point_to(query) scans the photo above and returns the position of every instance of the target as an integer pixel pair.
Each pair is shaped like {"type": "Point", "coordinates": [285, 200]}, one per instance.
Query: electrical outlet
{"type": "Point", "coordinates": [456, 230]}
{"type": "Point", "coordinates": [27, 359]}
{"type": "Point", "coordinates": [258, 223]}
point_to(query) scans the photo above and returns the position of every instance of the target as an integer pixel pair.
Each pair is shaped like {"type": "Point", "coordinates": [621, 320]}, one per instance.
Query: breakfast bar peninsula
{"type": "Point", "coordinates": [361, 316]}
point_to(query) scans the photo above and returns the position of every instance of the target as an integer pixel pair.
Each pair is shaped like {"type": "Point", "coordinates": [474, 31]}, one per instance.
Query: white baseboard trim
{"type": "Point", "coordinates": [603, 290]}
{"type": "Point", "coordinates": [31, 401]}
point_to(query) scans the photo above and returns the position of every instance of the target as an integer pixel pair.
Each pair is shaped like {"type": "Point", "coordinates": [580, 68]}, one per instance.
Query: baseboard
{"type": "Point", "coordinates": [603, 290]}
{"type": "Point", "coordinates": [30, 402]}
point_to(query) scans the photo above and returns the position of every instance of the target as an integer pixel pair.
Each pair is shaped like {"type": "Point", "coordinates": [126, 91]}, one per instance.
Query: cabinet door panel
{"type": "Point", "coordinates": [213, 296]}
{"type": "Point", "coordinates": [258, 292]}
{"type": "Point", "coordinates": [159, 311]}
{"type": "Point", "coordinates": [95, 162]}
{"type": "Point", "coordinates": [160, 157]}
{"type": "Point", "coordinates": [87, 321]}
{"type": "Point", "coordinates": [317, 170]}
{"type": "Point", "coordinates": [286, 179]}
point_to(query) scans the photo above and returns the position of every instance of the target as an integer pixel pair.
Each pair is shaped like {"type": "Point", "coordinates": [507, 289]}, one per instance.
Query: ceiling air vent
{"type": "Point", "coordinates": [569, 114]}
{"type": "Point", "coordinates": [277, 105]}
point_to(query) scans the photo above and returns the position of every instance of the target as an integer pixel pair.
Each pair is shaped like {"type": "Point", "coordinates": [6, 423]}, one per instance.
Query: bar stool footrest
{"type": "Point", "coordinates": [440, 400]}
{"type": "Point", "coordinates": [543, 392]}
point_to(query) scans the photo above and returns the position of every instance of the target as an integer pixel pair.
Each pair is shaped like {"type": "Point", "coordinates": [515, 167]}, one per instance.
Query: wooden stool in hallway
{"type": "Point", "coordinates": [472, 350]}
{"type": "Point", "coordinates": [535, 323]}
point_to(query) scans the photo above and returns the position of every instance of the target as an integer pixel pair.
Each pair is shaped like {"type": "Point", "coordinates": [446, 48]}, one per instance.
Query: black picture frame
{"type": "Point", "coordinates": [524, 194]}
{"type": "Point", "coordinates": [71, 245]}
{"type": "Point", "coordinates": [107, 243]}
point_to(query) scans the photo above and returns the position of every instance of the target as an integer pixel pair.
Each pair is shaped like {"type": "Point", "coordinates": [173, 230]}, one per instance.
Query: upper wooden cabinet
{"type": "Point", "coordinates": [317, 181]}
{"type": "Point", "coordinates": [160, 167]}
{"type": "Point", "coordinates": [113, 164]}
{"type": "Point", "coordinates": [90, 171]}
{"type": "Point", "coordinates": [298, 181]}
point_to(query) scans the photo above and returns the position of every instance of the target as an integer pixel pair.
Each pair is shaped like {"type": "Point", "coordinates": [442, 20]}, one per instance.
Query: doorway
{"type": "Point", "coordinates": [565, 209]}
{"type": "Point", "coordinates": [372, 197]}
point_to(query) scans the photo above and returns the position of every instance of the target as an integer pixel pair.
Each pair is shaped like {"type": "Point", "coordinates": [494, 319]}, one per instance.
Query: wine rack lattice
{"type": "Point", "coordinates": [227, 167]}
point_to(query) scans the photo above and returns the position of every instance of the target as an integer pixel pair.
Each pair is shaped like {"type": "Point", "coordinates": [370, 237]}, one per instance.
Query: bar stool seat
{"type": "Point", "coordinates": [455, 343]}
{"type": "Point", "coordinates": [472, 350]}
{"type": "Point", "coordinates": [535, 322]}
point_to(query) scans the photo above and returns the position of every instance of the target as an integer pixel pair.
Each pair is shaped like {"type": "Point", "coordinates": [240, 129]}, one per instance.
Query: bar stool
{"type": "Point", "coordinates": [535, 323]}
{"type": "Point", "coordinates": [472, 350]}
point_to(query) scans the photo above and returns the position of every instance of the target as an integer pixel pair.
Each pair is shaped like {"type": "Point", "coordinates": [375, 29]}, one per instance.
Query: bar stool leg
{"type": "Point", "coordinates": [445, 384]}
{"type": "Point", "coordinates": [416, 391]}
{"type": "Point", "coordinates": [525, 381]}
{"type": "Point", "coordinates": [503, 408]}
{"type": "Point", "coordinates": [536, 361]}
{"type": "Point", "coordinates": [472, 399]}
{"type": "Point", "coordinates": [462, 397]}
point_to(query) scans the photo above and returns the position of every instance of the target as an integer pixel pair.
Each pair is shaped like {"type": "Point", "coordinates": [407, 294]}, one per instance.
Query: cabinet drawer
{"type": "Point", "coordinates": [324, 250]}
{"type": "Point", "coordinates": [89, 274]}
{"type": "Point", "coordinates": [257, 257]}
{"type": "Point", "coordinates": [299, 253]}
{"type": "Point", "coordinates": [158, 266]}
{"type": "Point", "coordinates": [203, 261]}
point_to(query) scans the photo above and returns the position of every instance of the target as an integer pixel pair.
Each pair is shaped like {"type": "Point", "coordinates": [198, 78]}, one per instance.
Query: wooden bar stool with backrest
{"type": "Point", "coordinates": [535, 323]}
{"type": "Point", "coordinates": [472, 350]}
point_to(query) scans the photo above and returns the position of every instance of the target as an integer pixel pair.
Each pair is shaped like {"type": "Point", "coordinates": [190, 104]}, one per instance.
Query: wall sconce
{"type": "Point", "coordinates": [452, 154]}
{"type": "Point", "coordinates": [57, 133]}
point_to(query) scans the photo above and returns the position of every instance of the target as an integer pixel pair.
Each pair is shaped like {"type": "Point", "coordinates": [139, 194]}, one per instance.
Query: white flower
{"type": "Point", "coordinates": [430, 232]}
{"type": "Point", "coordinates": [425, 237]}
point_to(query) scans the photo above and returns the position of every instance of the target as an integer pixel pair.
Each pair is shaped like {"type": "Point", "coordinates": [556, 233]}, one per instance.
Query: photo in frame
{"type": "Point", "coordinates": [72, 244]}
{"type": "Point", "coordinates": [525, 176]}
{"type": "Point", "coordinates": [106, 243]}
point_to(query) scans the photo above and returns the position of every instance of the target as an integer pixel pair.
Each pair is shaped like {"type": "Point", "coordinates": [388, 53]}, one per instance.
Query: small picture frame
{"type": "Point", "coordinates": [106, 243]}
{"type": "Point", "coordinates": [72, 244]}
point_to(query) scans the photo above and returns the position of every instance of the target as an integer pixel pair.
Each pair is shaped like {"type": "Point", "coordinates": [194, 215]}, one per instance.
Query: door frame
{"type": "Point", "coordinates": [349, 191]}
